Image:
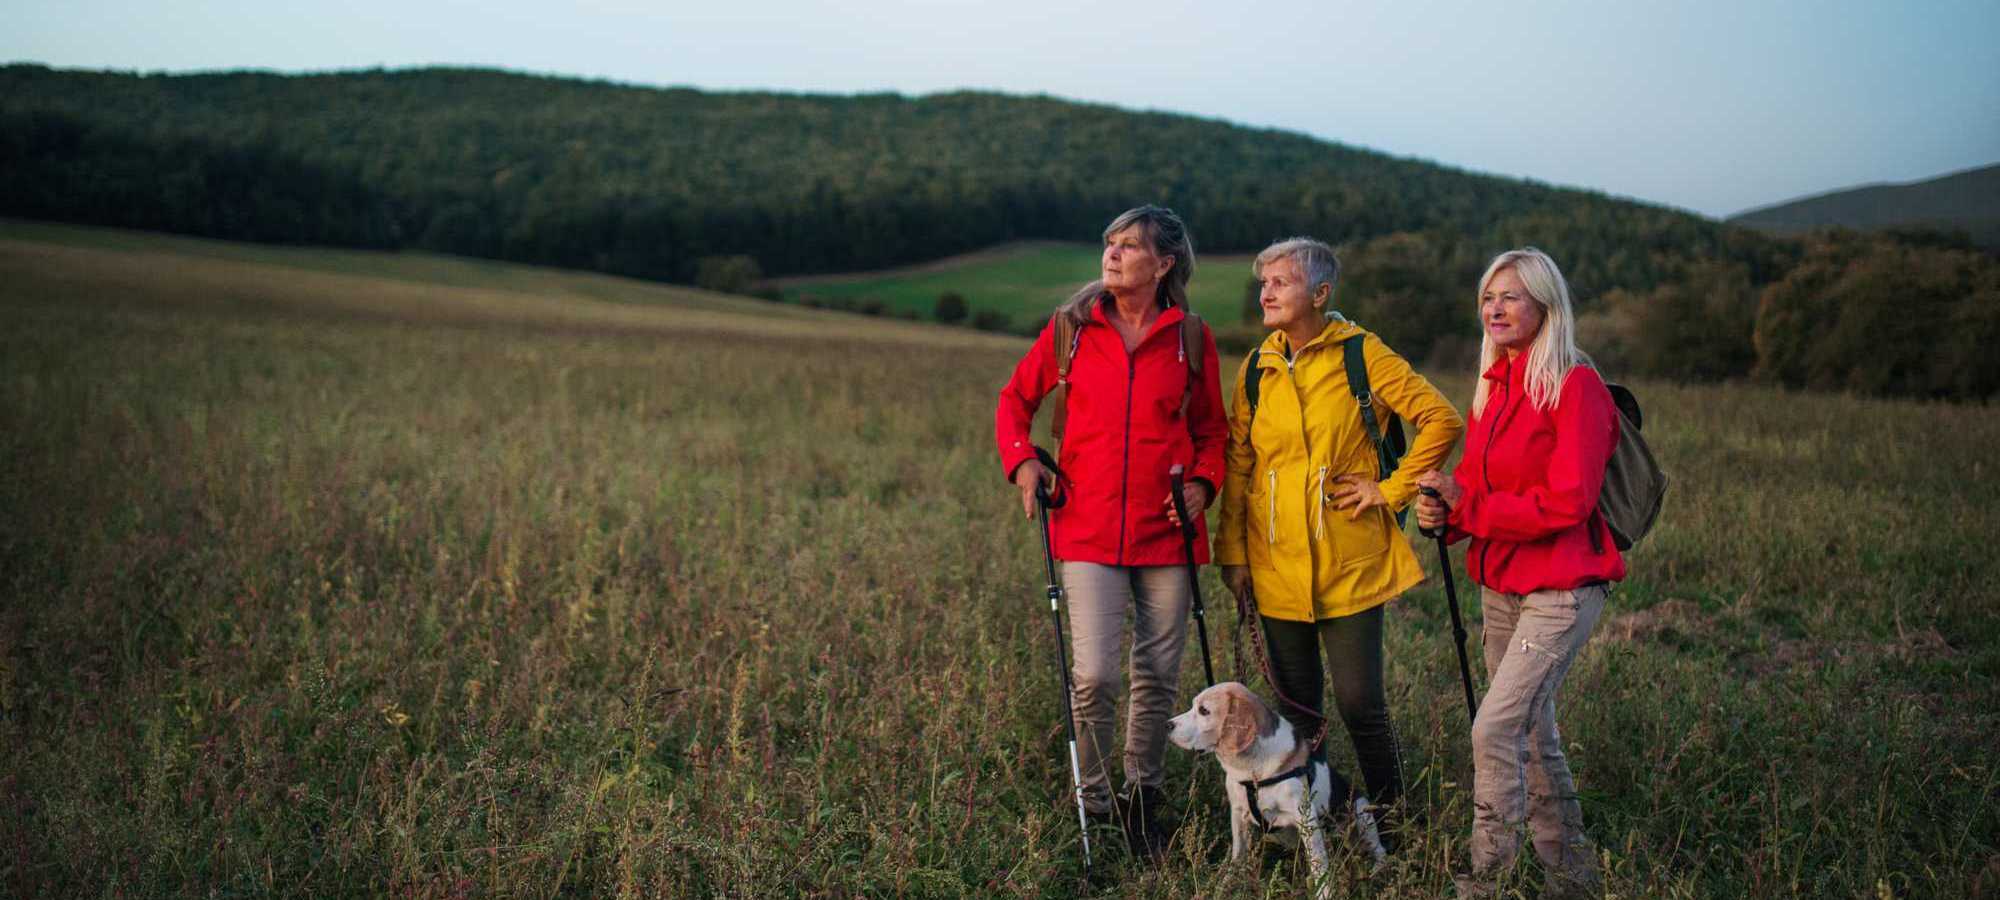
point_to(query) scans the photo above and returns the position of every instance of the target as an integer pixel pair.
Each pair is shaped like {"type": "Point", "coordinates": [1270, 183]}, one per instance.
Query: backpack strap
{"type": "Point", "coordinates": [1357, 384]}
{"type": "Point", "coordinates": [1389, 447]}
{"type": "Point", "coordinates": [1190, 354]}
{"type": "Point", "coordinates": [1191, 341]}
{"type": "Point", "coordinates": [1253, 381]}
{"type": "Point", "coordinates": [1066, 336]}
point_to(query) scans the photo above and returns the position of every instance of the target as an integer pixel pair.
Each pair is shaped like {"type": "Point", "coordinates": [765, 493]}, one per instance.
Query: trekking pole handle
{"type": "Point", "coordinates": [1177, 475]}
{"type": "Point", "coordinates": [1432, 493]}
{"type": "Point", "coordinates": [1050, 499]}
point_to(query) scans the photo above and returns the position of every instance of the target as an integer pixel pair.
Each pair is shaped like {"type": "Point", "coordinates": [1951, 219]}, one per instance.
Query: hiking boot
{"type": "Point", "coordinates": [1470, 885]}
{"type": "Point", "coordinates": [1582, 884]}
{"type": "Point", "coordinates": [1139, 813]}
{"type": "Point", "coordinates": [1100, 821]}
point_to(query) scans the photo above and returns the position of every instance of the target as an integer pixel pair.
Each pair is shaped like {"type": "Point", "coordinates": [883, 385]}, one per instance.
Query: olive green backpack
{"type": "Point", "coordinates": [1634, 485]}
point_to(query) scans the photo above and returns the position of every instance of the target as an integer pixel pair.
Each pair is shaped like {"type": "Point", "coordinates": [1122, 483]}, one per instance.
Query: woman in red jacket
{"type": "Point", "coordinates": [1543, 428]}
{"type": "Point", "coordinates": [1137, 406]}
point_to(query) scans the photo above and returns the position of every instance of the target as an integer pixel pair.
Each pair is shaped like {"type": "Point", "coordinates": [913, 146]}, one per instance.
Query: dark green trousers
{"type": "Point", "coordinates": [1353, 646]}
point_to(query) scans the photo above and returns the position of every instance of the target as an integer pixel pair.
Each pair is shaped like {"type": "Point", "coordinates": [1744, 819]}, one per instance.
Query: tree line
{"type": "Point", "coordinates": [1903, 312]}
{"type": "Point", "coordinates": [690, 186]}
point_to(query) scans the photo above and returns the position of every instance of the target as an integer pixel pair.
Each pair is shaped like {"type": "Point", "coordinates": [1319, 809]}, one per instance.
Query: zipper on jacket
{"type": "Point", "coordinates": [1305, 440]}
{"type": "Point", "coordinates": [1486, 455]}
{"type": "Point", "coordinates": [1319, 508]}
{"type": "Point", "coordinates": [1125, 464]}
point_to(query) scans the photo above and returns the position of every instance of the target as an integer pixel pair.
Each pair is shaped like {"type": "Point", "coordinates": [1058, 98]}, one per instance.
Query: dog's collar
{"type": "Point", "coordinates": [1251, 787]}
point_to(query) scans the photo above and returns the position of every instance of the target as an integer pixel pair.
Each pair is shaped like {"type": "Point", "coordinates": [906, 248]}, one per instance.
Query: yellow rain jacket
{"type": "Point", "coordinates": [1308, 561]}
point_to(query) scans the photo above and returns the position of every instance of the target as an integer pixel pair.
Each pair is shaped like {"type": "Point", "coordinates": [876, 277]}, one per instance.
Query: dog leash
{"type": "Point", "coordinates": [1248, 618]}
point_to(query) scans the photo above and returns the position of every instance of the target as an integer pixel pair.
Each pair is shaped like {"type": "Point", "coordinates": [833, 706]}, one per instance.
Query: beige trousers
{"type": "Point", "coordinates": [1518, 767]}
{"type": "Point", "coordinates": [1100, 598]}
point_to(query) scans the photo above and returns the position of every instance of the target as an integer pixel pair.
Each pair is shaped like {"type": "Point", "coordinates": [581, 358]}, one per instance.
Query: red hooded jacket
{"type": "Point", "coordinates": [1124, 432]}
{"type": "Point", "coordinates": [1531, 479]}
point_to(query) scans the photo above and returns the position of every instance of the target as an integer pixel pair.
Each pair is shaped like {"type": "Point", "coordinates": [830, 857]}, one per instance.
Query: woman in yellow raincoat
{"type": "Point", "coordinates": [1308, 524]}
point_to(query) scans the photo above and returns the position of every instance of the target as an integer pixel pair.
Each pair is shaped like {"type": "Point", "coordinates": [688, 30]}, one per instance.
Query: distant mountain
{"type": "Point", "coordinates": [1968, 200]}
{"type": "Point", "coordinates": [671, 183]}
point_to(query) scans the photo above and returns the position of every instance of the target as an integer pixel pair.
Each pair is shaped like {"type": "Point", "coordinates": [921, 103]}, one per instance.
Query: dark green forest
{"type": "Point", "coordinates": [677, 184]}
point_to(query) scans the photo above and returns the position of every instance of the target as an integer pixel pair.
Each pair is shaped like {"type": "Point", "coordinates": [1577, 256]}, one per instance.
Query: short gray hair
{"type": "Point", "coordinates": [1316, 261]}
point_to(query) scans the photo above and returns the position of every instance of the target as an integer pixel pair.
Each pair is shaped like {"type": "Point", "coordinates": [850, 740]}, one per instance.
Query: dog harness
{"type": "Point", "coordinates": [1250, 788]}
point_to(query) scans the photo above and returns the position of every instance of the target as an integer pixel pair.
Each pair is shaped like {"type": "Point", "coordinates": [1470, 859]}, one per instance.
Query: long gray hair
{"type": "Point", "coordinates": [1170, 238]}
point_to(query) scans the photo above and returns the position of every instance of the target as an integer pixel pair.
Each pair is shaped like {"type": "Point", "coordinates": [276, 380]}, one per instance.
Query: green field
{"type": "Point", "coordinates": [346, 573]}
{"type": "Point", "coordinates": [1023, 282]}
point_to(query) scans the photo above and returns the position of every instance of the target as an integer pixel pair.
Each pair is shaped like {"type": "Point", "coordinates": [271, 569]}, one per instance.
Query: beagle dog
{"type": "Point", "coordinates": [1274, 782]}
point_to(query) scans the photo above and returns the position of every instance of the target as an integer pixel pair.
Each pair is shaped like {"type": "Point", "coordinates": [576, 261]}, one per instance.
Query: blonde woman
{"type": "Point", "coordinates": [1308, 531]}
{"type": "Point", "coordinates": [1543, 428]}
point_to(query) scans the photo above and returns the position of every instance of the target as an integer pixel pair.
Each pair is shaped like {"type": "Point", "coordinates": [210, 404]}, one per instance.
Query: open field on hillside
{"type": "Point", "coordinates": [363, 574]}
{"type": "Point", "coordinates": [1023, 283]}
{"type": "Point", "coordinates": [148, 268]}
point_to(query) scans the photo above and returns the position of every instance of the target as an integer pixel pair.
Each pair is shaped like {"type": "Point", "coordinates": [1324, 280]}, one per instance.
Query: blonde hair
{"type": "Point", "coordinates": [1554, 352]}
{"type": "Point", "coordinates": [1170, 238]}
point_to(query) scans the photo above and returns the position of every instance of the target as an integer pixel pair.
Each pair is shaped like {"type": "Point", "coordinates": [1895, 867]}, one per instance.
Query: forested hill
{"type": "Point", "coordinates": [1968, 201]}
{"type": "Point", "coordinates": [650, 182]}
{"type": "Point", "coordinates": [721, 189]}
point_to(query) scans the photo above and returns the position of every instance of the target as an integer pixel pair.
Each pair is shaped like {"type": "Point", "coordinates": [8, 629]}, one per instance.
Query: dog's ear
{"type": "Point", "coordinates": [1267, 721]}
{"type": "Point", "coordinates": [1240, 723]}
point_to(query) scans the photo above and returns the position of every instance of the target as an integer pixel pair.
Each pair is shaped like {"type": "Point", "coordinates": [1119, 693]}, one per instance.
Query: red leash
{"type": "Point", "coordinates": [1248, 617]}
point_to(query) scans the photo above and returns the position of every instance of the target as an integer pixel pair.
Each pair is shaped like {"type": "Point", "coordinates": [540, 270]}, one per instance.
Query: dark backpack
{"type": "Point", "coordinates": [1390, 444]}
{"type": "Point", "coordinates": [1066, 337]}
{"type": "Point", "coordinates": [1634, 486]}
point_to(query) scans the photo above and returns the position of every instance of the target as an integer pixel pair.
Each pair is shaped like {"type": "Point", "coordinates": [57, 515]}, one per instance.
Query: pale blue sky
{"type": "Point", "coordinates": [1708, 105]}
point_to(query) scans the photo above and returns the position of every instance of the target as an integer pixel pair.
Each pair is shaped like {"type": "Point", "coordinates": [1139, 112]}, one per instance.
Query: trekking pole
{"type": "Point", "coordinates": [1451, 599]}
{"type": "Point", "coordinates": [1194, 576]}
{"type": "Point", "coordinates": [1045, 501]}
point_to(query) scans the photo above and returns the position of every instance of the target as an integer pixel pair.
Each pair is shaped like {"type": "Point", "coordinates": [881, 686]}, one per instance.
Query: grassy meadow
{"type": "Point", "coordinates": [1022, 282]}
{"type": "Point", "coordinates": [350, 573]}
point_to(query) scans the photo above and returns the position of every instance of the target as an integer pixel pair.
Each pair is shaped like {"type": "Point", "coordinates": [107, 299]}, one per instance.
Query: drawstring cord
{"type": "Point", "coordinates": [1319, 505]}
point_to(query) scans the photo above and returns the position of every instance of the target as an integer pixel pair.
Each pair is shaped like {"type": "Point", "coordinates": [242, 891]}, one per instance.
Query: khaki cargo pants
{"type": "Point", "coordinates": [1519, 772]}
{"type": "Point", "coordinates": [1101, 597]}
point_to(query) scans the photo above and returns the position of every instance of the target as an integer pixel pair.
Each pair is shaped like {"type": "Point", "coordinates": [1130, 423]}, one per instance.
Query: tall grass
{"type": "Point", "coordinates": [313, 587]}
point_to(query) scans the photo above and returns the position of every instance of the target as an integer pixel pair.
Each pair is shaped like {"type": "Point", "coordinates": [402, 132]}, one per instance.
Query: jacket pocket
{"type": "Point", "coordinates": [1260, 507]}
{"type": "Point", "coordinates": [1356, 542]}
{"type": "Point", "coordinates": [1259, 555]}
